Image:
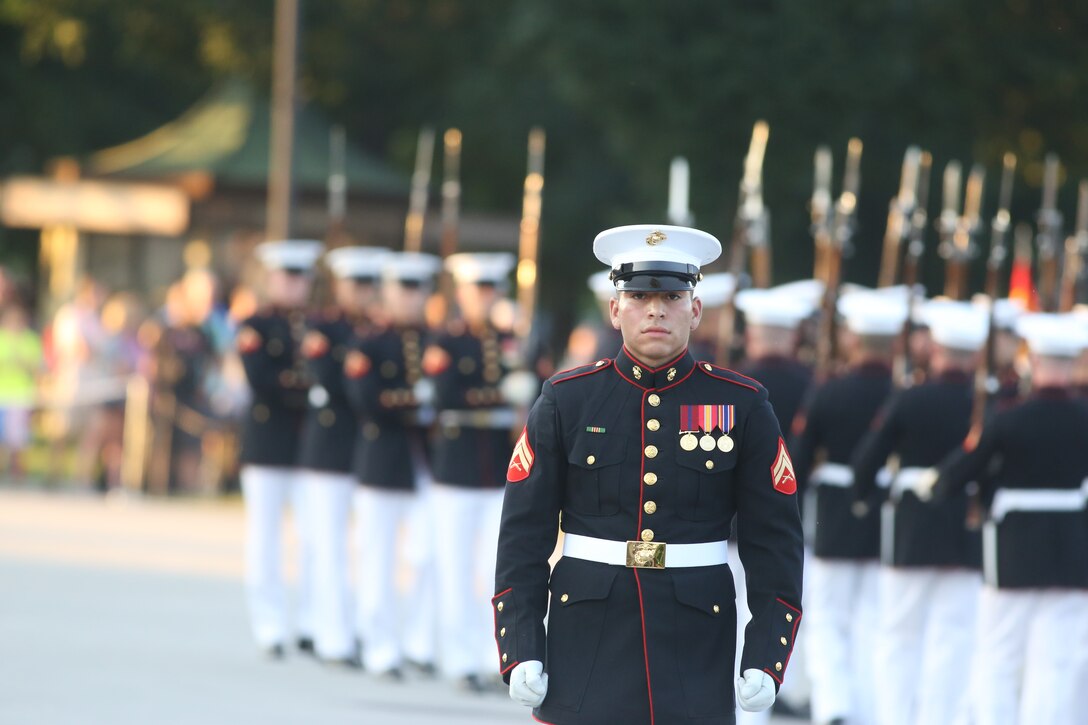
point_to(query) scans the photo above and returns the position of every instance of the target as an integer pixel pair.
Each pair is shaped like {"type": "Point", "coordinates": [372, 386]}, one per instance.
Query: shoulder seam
{"type": "Point", "coordinates": [714, 368]}
{"type": "Point", "coordinates": [593, 368]}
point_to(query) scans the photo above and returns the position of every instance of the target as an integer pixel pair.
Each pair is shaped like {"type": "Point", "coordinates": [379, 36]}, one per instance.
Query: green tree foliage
{"type": "Point", "coordinates": [621, 86]}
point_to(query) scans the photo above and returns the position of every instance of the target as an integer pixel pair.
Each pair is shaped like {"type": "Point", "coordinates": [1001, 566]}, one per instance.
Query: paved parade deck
{"type": "Point", "coordinates": [121, 611]}
{"type": "Point", "coordinates": [125, 610]}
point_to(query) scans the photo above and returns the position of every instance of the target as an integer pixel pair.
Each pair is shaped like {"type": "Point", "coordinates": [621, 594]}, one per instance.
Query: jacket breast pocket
{"type": "Point", "coordinates": [704, 485]}
{"type": "Point", "coordinates": [593, 475]}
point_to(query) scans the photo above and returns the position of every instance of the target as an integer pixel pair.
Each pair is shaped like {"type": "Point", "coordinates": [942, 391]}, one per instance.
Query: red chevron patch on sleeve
{"type": "Point", "coordinates": [782, 475]}
{"type": "Point", "coordinates": [521, 460]}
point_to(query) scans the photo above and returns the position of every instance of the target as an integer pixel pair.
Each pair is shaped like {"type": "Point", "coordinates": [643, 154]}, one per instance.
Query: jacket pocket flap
{"type": "Point", "coordinates": [576, 581]}
{"type": "Point", "coordinates": [708, 589]}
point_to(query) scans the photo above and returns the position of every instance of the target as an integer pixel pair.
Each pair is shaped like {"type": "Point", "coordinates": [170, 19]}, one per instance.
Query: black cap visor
{"type": "Point", "coordinates": [655, 277]}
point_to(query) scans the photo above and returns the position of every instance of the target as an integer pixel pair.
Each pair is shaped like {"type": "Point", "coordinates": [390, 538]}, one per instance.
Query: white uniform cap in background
{"type": "Point", "coordinates": [1053, 335]}
{"type": "Point", "coordinates": [480, 267]}
{"type": "Point", "coordinates": [873, 313]}
{"type": "Point", "coordinates": [716, 289]}
{"type": "Point", "coordinates": [356, 262]}
{"type": "Point", "coordinates": [601, 285]}
{"type": "Point", "coordinates": [956, 325]}
{"type": "Point", "coordinates": [291, 254]}
{"type": "Point", "coordinates": [772, 309]}
{"type": "Point", "coordinates": [1006, 311]}
{"type": "Point", "coordinates": [410, 267]}
{"type": "Point", "coordinates": [647, 257]}
{"type": "Point", "coordinates": [808, 291]}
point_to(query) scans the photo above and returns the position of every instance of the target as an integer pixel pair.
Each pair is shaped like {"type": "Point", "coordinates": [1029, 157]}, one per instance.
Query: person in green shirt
{"type": "Point", "coordinates": [20, 360]}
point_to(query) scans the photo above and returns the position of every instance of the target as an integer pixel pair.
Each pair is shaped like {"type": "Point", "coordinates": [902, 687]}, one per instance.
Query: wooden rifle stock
{"type": "Point", "coordinates": [820, 210]}
{"type": "Point", "coordinates": [1076, 247]}
{"type": "Point", "coordinates": [417, 200]}
{"type": "Point", "coordinates": [843, 230]}
{"type": "Point", "coordinates": [529, 237]}
{"type": "Point", "coordinates": [899, 211]}
{"type": "Point", "coordinates": [749, 231]}
{"type": "Point", "coordinates": [916, 247]}
{"type": "Point", "coordinates": [1048, 233]}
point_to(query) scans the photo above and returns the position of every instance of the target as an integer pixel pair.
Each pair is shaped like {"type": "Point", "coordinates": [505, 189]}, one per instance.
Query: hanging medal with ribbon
{"type": "Point", "coordinates": [704, 420]}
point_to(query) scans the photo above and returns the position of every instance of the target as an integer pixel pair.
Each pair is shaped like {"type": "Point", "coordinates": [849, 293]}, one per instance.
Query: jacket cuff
{"type": "Point", "coordinates": [516, 641]}
{"type": "Point", "coordinates": [769, 641]}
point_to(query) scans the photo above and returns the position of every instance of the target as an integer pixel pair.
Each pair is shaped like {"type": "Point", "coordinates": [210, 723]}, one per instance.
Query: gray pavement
{"type": "Point", "coordinates": [131, 611]}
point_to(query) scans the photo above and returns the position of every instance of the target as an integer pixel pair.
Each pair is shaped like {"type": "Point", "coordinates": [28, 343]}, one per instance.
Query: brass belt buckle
{"type": "Point", "coordinates": [646, 554]}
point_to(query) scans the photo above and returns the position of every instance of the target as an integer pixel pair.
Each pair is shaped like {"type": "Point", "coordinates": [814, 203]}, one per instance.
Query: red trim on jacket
{"type": "Point", "coordinates": [645, 650]}
{"type": "Point", "coordinates": [712, 374]}
{"type": "Point", "coordinates": [594, 369]}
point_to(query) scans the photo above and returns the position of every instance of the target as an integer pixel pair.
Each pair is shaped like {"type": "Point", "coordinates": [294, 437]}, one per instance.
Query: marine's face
{"type": "Point", "coordinates": [656, 326]}
{"type": "Point", "coordinates": [288, 289]}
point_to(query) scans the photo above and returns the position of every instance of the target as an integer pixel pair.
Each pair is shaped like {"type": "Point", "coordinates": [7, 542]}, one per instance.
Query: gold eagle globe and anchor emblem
{"type": "Point", "coordinates": [656, 237]}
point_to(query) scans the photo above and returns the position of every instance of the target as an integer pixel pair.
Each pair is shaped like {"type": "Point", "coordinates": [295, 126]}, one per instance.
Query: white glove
{"type": "Point", "coordinates": [755, 691]}
{"type": "Point", "coordinates": [529, 684]}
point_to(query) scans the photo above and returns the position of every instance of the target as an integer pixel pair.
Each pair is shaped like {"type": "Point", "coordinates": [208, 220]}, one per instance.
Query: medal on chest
{"type": "Point", "coordinates": [707, 427]}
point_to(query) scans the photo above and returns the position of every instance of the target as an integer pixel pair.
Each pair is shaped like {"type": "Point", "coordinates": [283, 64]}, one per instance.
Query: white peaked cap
{"type": "Point", "coordinates": [716, 289]}
{"type": "Point", "coordinates": [956, 325]}
{"type": "Point", "coordinates": [480, 267]}
{"type": "Point", "coordinates": [600, 283]}
{"type": "Point", "coordinates": [294, 254]}
{"type": "Point", "coordinates": [871, 312]}
{"type": "Point", "coordinates": [410, 266]}
{"type": "Point", "coordinates": [773, 309]}
{"type": "Point", "coordinates": [655, 256]}
{"type": "Point", "coordinates": [1006, 311]}
{"type": "Point", "coordinates": [808, 291]}
{"type": "Point", "coordinates": [1053, 335]}
{"type": "Point", "coordinates": [356, 262]}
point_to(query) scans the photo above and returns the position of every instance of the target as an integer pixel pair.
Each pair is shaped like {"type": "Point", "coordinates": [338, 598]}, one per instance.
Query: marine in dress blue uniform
{"type": "Point", "coordinates": [328, 438]}
{"type": "Point", "coordinates": [269, 344]}
{"type": "Point", "coordinates": [384, 376]}
{"type": "Point", "coordinates": [841, 578]}
{"type": "Point", "coordinates": [929, 577]}
{"type": "Point", "coordinates": [474, 431]}
{"type": "Point", "coordinates": [1030, 664]}
{"type": "Point", "coordinates": [643, 460]}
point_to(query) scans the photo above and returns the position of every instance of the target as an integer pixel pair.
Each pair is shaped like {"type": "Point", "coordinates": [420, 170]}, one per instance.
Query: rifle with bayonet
{"type": "Point", "coordinates": [421, 184]}
{"type": "Point", "coordinates": [1048, 233]}
{"type": "Point", "coordinates": [903, 374]}
{"type": "Point", "coordinates": [750, 233]}
{"type": "Point", "coordinates": [679, 180]}
{"type": "Point", "coordinates": [986, 374]}
{"type": "Point", "coordinates": [960, 248]}
{"type": "Point", "coordinates": [529, 238]}
{"type": "Point", "coordinates": [899, 211]}
{"type": "Point", "coordinates": [841, 234]}
{"type": "Point", "coordinates": [820, 211]}
{"type": "Point", "coordinates": [1076, 246]}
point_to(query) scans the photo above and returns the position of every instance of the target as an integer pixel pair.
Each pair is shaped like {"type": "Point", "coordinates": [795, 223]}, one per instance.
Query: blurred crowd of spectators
{"type": "Point", "coordinates": [108, 389]}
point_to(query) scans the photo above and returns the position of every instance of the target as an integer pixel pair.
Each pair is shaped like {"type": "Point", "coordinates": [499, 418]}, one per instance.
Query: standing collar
{"type": "Point", "coordinates": [643, 376]}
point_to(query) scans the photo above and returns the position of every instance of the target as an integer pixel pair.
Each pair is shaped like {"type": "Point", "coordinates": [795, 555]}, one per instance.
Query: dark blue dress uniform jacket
{"type": "Point", "coordinates": [269, 347]}
{"type": "Point", "coordinates": [838, 415]}
{"type": "Point", "coordinates": [1039, 444]}
{"type": "Point", "coordinates": [467, 367]}
{"type": "Point", "coordinates": [639, 646]}
{"type": "Point", "coordinates": [328, 432]}
{"type": "Point", "coordinates": [922, 426]}
{"type": "Point", "coordinates": [382, 370]}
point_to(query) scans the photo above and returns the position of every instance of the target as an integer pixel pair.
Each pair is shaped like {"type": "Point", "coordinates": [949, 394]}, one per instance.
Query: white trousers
{"type": "Point", "coordinates": [268, 491]}
{"type": "Point", "coordinates": [466, 532]}
{"type": "Point", "coordinates": [841, 616]}
{"type": "Point", "coordinates": [924, 641]}
{"type": "Point", "coordinates": [1031, 660]}
{"type": "Point", "coordinates": [394, 583]}
{"type": "Point", "coordinates": [327, 501]}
